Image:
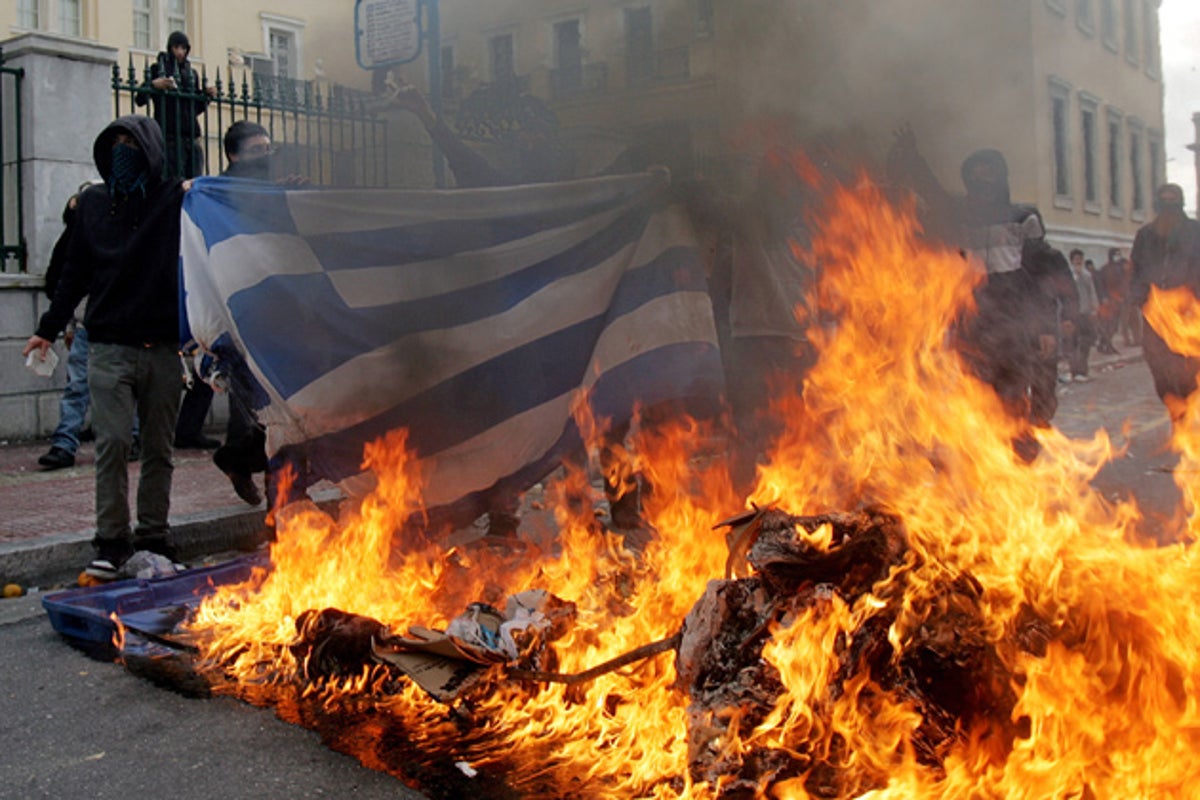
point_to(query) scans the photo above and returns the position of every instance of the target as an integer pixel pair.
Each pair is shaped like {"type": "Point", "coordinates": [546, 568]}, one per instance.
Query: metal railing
{"type": "Point", "coordinates": [13, 251]}
{"type": "Point", "coordinates": [328, 133]}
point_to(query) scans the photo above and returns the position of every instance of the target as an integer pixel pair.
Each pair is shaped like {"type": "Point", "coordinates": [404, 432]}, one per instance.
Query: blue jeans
{"type": "Point", "coordinates": [74, 404]}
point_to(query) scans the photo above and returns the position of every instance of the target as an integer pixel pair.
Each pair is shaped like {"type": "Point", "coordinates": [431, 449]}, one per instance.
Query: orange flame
{"type": "Point", "coordinates": [889, 417]}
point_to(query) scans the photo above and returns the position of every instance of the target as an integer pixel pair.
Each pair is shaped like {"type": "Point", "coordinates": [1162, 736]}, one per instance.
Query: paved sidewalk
{"type": "Point", "coordinates": [47, 519]}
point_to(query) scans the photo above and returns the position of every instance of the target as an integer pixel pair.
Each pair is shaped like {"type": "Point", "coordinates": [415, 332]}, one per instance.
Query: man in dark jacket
{"type": "Point", "coordinates": [1166, 254]}
{"type": "Point", "coordinates": [1011, 341]}
{"type": "Point", "coordinates": [177, 107]}
{"type": "Point", "coordinates": [124, 256]}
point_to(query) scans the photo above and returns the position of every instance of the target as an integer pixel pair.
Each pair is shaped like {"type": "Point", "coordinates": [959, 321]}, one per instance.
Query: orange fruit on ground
{"type": "Point", "coordinates": [13, 590]}
{"type": "Point", "coordinates": [88, 580]}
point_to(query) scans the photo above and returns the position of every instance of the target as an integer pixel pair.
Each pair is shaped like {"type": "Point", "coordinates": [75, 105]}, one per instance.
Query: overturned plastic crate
{"type": "Point", "coordinates": [150, 605]}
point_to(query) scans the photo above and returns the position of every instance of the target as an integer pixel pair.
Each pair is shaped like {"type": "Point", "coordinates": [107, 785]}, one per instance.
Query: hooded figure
{"type": "Point", "coordinates": [124, 256]}
{"type": "Point", "coordinates": [178, 104]}
{"type": "Point", "coordinates": [1012, 341]}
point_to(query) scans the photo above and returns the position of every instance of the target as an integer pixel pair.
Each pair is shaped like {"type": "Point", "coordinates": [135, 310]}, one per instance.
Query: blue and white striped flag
{"type": "Point", "coordinates": [473, 318]}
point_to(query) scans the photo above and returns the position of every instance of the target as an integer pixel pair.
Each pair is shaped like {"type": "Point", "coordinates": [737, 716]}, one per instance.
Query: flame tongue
{"type": "Point", "coordinates": [1074, 650]}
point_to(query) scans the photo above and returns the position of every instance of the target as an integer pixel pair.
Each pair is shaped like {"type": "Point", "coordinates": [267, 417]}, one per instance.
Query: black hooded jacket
{"type": "Point", "coordinates": [124, 254]}
{"type": "Point", "coordinates": [176, 113]}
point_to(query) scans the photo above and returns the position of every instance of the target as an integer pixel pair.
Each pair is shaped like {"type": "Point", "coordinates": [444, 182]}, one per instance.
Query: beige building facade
{"type": "Point", "coordinates": [301, 39]}
{"type": "Point", "coordinates": [1069, 90]}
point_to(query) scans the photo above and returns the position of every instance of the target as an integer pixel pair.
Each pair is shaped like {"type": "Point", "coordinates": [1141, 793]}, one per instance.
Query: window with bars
{"type": "Point", "coordinates": [70, 17]}
{"type": "Point", "coordinates": [27, 13]}
{"type": "Point", "coordinates": [143, 34]}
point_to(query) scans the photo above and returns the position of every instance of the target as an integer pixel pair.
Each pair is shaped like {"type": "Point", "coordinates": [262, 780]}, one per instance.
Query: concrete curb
{"type": "Point", "coordinates": [58, 558]}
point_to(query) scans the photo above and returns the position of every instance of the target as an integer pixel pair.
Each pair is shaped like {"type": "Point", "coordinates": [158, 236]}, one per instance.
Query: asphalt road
{"type": "Point", "coordinates": [74, 727]}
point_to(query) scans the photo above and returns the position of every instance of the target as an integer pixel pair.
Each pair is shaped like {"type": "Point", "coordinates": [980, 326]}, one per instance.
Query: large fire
{"type": "Point", "coordinates": [889, 419]}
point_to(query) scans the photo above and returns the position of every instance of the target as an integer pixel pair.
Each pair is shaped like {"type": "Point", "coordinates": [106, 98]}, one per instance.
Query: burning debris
{"type": "Point", "coordinates": [945, 666]}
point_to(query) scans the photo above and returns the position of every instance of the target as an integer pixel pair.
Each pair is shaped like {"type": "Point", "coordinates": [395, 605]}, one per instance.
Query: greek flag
{"type": "Point", "coordinates": [472, 318]}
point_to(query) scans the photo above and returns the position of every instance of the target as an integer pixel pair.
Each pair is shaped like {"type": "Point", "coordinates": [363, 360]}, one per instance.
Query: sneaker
{"type": "Point", "coordinates": [111, 555]}
{"type": "Point", "coordinates": [243, 484]}
{"type": "Point", "coordinates": [56, 458]}
{"type": "Point", "coordinates": [1081, 379]}
{"type": "Point", "coordinates": [103, 569]}
{"type": "Point", "coordinates": [1064, 378]}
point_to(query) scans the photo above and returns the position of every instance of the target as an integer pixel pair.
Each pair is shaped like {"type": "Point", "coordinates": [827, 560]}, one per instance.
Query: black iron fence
{"type": "Point", "coordinates": [12, 217]}
{"type": "Point", "coordinates": [328, 133]}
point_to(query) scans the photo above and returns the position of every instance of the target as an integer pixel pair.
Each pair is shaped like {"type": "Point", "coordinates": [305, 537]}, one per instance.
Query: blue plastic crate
{"type": "Point", "coordinates": [153, 604]}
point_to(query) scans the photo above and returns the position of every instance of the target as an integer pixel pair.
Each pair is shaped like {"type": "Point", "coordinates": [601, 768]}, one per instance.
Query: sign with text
{"type": "Point", "coordinates": [387, 32]}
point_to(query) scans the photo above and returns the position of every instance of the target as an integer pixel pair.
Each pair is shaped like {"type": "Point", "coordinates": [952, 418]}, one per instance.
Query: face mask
{"type": "Point", "coordinates": [129, 169]}
{"type": "Point", "coordinates": [256, 168]}
{"type": "Point", "coordinates": [1165, 207]}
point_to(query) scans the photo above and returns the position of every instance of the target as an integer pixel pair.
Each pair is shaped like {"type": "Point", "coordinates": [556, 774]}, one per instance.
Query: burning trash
{"type": "Point", "coordinates": [909, 610]}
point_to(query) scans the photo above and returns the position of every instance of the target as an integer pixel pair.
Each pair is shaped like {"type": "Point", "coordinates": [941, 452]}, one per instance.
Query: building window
{"type": "Point", "coordinates": [283, 42]}
{"type": "Point", "coordinates": [1137, 177]}
{"type": "Point", "coordinates": [639, 45]}
{"type": "Point", "coordinates": [1085, 16]}
{"type": "Point", "coordinates": [1060, 99]}
{"type": "Point", "coordinates": [282, 49]}
{"type": "Point", "coordinates": [177, 15]}
{"type": "Point", "coordinates": [1156, 159]}
{"type": "Point", "coordinates": [501, 57]}
{"type": "Point", "coordinates": [1131, 31]}
{"type": "Point", "coordinates": [704, 17]}
{"type": "Point", "coordinates": [447, 68]}
{"type": "Point", "coordinates": [141, 25]}
{"type": "Point", "coordinates": [1114, 163]}
{"type": "Point", "coordinates": [70, 17]}
{"type": "Point", "coordinates": [1150, 42]}
{"type": "Point", "coordinates": [1108, 23]}
{"type": "Point", "coordinates": [568, 54]}
{"type": "Point", "coordinates": [1087, 130]}
{"type": "Point", "coordinates": [27, 13]}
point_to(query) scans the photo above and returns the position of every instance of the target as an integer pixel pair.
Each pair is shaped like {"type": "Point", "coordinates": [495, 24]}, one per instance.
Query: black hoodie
{"type": "Point", "coordinates": [176, 112]}
{"type": "Point", "coordinates": [124, 254]}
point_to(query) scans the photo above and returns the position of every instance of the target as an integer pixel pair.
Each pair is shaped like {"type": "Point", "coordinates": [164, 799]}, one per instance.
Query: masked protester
{"type": "Point", "coordinates": [178, 104]}
{"type": "Point", "coordinates": [1166, 254]}
{"type": "Point", "coordinates": [124, 256]}
{"type": "Point", "coordinates": [1012, 340]}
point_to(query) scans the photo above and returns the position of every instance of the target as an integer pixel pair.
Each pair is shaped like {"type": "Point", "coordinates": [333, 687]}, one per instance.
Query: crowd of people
{"type": "Point", "coordinates": [1035, 309]}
